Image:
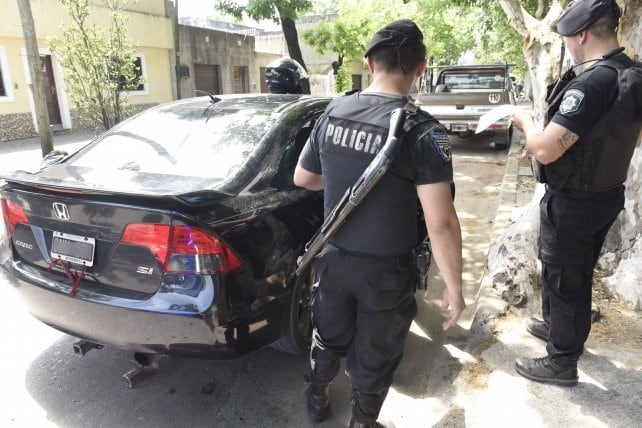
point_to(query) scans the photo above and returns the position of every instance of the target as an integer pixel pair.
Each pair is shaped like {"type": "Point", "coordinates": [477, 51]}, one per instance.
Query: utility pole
{"type": "Point", "coordinates": [37, 87]}
{"type": "Point", "coordinates": [177, 50]}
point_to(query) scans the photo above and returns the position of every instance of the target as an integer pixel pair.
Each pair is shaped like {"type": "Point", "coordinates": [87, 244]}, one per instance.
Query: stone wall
{"type": "Point", "coordinates": [15, 126]}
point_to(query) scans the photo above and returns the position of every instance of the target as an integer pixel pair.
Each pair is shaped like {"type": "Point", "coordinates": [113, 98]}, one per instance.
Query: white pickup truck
{"type": "Point", "coordinates": [461, 94]}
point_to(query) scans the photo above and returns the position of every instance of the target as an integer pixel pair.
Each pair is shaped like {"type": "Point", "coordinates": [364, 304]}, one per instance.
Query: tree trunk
{"type": "Point", "coordinates": [542, 47]}
{"type": "Point", "coordinates": [292, 40]}
{"type": "Point", "coordinates": [37, 86]}
{"type": "Point", "coordinates": [622, 253]}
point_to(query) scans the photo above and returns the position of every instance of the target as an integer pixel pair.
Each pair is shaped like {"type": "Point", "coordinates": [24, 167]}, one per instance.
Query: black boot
{"type": "Point", "coordinates": [366, 407]}
{"type": "Point", "coordinates": [538, 328]}
{"type": "Point", "coordinates": [546, 370]}
{"type": "Point", "coordinates": [318, 400]}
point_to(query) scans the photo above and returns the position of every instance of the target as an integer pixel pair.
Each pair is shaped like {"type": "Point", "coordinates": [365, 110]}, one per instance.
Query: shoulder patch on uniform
{"type": "Point", "coordinates": [571, 101]}
{"type": "Point", "coordinates": [442, 144]}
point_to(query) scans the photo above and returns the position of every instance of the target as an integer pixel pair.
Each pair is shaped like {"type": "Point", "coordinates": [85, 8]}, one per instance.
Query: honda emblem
{"type": "Point", "coordinates": [61, 211]}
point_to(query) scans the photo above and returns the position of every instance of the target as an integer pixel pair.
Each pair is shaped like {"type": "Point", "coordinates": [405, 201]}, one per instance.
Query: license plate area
{"type": "Point", "coordinates": [73, 248]}
{"type": "Point", "coordinates": [459, 127]}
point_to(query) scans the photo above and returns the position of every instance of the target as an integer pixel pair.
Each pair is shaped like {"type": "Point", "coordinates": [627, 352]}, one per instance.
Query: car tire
{"type": "Point", "coordinates": [507, 138]}
{"type": "Point", "coordinates": [298, 332]}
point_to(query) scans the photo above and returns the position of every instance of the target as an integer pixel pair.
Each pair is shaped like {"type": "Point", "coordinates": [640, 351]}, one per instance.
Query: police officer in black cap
{"type": "Point", "coordinates": [364, 303]}
{"type": "Point", "coordinates": [584, 153]}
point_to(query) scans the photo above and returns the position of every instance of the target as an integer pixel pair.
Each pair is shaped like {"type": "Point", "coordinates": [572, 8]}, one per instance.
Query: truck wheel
{"type": "Point", "coordinates": [505, 140]}
{"type": "Point", "coordinates": [298, 332]}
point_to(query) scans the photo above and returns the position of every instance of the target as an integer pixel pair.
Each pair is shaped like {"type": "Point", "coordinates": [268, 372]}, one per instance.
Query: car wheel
{"type": "Point", "coordinates": [507, 138]}
{"type": "Point", "coordinates": [298, 333]}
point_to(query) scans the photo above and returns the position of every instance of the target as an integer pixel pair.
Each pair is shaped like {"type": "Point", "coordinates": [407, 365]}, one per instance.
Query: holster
{"type": "Point", "coordinates": [423, 259]}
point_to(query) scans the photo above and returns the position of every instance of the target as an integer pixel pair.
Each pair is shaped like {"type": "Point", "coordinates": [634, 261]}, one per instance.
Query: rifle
{"type": "Point", "coordinates": [355, 194]}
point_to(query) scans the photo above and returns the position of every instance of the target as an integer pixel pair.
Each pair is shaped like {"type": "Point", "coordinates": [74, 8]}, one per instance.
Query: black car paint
{"type": "Point", "coordinates": [263, 217]}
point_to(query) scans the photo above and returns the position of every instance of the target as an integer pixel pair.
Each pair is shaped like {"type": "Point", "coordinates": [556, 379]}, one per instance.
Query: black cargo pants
{"type": "Point", "coordinates": [362, 308]}
{"type": "Point", "coordinates": [573, 226]}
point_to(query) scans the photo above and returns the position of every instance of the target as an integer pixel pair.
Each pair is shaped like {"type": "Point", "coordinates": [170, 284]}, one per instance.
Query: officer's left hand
{"type": "Point", "coordinates": [454, 301]}
{"type": "Point", "coordinates": [522, 119]}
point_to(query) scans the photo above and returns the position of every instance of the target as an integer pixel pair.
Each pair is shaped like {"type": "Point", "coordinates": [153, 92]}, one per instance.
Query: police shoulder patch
{"type": "Point", "coordinates": [572, 101]}
{"type": "Point", "coordinates": [442, 144]}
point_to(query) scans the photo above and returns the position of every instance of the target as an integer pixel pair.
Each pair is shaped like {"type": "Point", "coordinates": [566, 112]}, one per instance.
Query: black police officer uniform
{"type": "Point", "coordinates": [363, 302]}
{"type": "Point", "coordinates": [584, 195]}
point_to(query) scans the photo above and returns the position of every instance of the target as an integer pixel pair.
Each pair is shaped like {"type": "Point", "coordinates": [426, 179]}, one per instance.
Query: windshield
{"type": "Point", "coordinates": [478, 80]}
{"type": "Point", "coordinates": [188, 140]}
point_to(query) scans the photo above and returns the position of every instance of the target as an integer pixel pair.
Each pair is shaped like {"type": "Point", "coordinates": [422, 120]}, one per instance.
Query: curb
{"type": "Point", "coordinates": [488, 303]}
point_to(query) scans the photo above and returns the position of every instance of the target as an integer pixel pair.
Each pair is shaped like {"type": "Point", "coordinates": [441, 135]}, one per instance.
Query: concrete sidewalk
{"type": "Point", "coordinates": [491, 393]}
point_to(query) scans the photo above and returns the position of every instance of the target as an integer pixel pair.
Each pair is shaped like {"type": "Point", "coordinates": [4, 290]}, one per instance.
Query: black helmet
{"type": "Point", "coordinates": [285, 76]}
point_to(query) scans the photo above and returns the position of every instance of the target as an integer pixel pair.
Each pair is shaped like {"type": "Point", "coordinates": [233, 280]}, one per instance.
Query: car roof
{"type": "Point", "coordinates": [275, 102]}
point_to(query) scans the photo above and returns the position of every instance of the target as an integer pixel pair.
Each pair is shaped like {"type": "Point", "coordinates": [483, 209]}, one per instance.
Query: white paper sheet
{"type": "Point", "coordinates": [495, 114]}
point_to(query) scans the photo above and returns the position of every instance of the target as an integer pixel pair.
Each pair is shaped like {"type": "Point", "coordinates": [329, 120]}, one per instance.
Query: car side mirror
{"type": "Point", "coordinates": [52, 158]}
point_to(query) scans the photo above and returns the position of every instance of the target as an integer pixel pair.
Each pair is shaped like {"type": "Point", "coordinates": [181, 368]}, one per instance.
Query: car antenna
{"type": "Point", "coordinates": [213, 99]}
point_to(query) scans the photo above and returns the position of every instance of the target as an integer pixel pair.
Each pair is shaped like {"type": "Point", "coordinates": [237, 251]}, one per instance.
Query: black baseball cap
{"type": "Point", "coordinates": [580, 14]}
{"type": "Point", "coordinates": [396, 34]}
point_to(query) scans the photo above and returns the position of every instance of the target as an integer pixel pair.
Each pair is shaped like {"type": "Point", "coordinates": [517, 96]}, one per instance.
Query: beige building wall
{"type": "Point", "coordinates": [149, 29]}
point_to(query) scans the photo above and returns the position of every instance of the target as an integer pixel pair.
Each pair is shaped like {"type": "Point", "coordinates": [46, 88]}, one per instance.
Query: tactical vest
{"type": "Point", "coordinates": [385, 223]}
{"type": "Point", "coordinates": [600, 160]}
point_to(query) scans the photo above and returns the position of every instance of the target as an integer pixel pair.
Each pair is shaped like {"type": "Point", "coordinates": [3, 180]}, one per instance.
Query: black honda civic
{"type": "Point", "coordinates": [176, 232]}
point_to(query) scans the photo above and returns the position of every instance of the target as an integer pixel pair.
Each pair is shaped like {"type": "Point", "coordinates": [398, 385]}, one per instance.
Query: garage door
{"type": "Point", "coordinates": [207, 78]}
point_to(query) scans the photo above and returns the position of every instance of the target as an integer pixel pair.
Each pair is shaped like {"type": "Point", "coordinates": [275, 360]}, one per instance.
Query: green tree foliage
{"type": "Point", "coordinates": [283, 12]}
{"type": "Point", "coordinates": [343, 80]}
{"type": "Point", "coordinates": [447, 31]}
{"type": "Point", "coordinates": [496, 40]}
{"type": "Point", "coordinates": [98, 63]}
{"type": "Point", "coordinates": [348, 34]}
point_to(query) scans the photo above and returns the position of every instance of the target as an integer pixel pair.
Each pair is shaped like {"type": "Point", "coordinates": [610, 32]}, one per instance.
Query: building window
{"type": "Point", "coordinates": [140, 73]}
{"type": "Point", "coordinates": [3, 92]}
{"type": "Point", "coordinates": [6, 94]}
{"type": "Point", "coordinates": [356, 81]}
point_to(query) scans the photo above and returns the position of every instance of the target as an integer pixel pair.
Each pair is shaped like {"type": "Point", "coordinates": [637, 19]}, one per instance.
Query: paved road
{"type": "Point", "coordinates": [46, 384]}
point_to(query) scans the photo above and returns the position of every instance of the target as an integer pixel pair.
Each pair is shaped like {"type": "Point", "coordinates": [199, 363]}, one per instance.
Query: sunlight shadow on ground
{"type": "Point", "coordinates": [499, 397]}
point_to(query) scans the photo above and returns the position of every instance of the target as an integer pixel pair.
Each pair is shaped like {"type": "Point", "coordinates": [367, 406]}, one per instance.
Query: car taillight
{"type": "Point", "coordinates": [153, 236]}
{"type": "Point", "coordinates": [13, 214]}
{"type": "Point", "coordinates": [183, 249]}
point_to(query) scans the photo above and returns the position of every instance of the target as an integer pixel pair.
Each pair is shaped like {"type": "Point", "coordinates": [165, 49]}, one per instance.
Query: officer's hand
{"type": "Point", "coordinates": [521, 119]}
{"type": "Point", "coordinates": [456, 303]}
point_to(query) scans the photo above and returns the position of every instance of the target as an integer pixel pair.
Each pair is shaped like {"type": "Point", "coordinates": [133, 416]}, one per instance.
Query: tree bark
{"type": "Point", "coordinates": [292, 40]}
{"type": "Point", "coordinates": [542, 47]}
{"type": "Point", "coordinates": [37, 86]}
{"type": "Point", "coordinates": [623, 246]}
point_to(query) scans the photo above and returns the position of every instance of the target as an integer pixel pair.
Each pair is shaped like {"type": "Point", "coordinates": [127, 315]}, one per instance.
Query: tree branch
{"type": "Point", "coordinates": [516, 15]}
{"type": "Point", "coordinates": [539, 13]}
{"type": "Point", "coordinates": [554, 12]}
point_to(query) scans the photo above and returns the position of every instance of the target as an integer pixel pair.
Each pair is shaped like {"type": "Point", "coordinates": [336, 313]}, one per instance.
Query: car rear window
{"type": "Point", "coordinates": [204, 140]}
{"type": "Point", "coordinates": [481, 80]}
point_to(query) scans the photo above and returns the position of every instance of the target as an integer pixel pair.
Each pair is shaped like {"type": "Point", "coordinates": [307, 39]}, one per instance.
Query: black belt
{"type": "Point", "coordinates": [585, 194]}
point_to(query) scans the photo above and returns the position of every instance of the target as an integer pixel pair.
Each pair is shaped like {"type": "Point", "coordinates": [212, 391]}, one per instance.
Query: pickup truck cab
{"type": "Point", "coordinates": [461, 94]}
